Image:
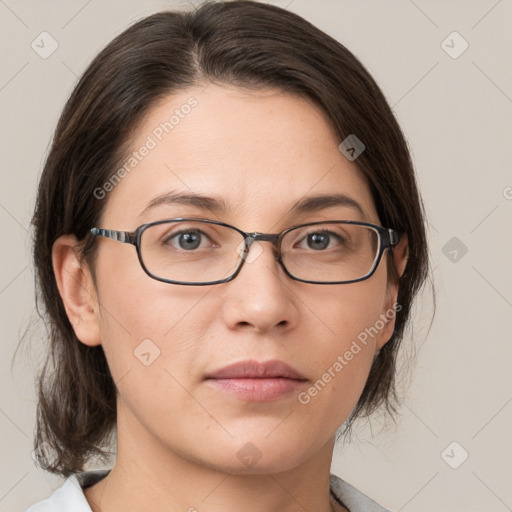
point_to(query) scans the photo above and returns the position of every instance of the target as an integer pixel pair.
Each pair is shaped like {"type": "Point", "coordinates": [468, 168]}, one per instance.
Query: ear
{"type": "Point", "coordinates": [400, 256]}
{"type": "Point", "coordinates": [76, 288]}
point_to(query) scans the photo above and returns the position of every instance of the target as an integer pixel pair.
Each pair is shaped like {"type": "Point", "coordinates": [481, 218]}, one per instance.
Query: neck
{"type": "Point", "coordinates": [150, 476]}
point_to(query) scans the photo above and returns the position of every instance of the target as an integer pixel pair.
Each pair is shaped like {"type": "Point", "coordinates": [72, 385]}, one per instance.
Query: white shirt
{"type": "Point", "coordinates": [69, 497]}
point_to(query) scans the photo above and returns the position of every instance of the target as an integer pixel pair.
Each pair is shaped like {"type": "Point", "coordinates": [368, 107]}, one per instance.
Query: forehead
{"type": "Point", "coordinates": [258, 151]}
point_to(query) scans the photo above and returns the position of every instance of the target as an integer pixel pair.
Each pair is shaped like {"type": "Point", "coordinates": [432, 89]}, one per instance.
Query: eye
{"type": "Point", "coordinates": [186, 240]}
{"type": "Point", "coordinates": [320, 240]}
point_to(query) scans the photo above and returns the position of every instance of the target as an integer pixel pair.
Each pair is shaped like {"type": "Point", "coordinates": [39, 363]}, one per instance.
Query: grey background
{"type": "Point", "coordinates": [456, 114]}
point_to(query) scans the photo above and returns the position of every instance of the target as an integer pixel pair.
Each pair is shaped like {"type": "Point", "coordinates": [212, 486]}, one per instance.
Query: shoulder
{"type": "Point", "coordinates": [70, 497]}
{"type": "Point", "coordinates": [351, 498]}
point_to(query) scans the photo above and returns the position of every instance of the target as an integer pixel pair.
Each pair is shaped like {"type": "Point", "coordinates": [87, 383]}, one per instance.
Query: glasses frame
{"type": "Point", "coordinates": [387, 238]}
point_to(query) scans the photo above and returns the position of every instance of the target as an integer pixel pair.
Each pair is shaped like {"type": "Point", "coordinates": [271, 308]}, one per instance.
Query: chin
{"type": "Point", "coordinates": [253, 454]}
{"type": "Point", "coordinates": [271, 464]}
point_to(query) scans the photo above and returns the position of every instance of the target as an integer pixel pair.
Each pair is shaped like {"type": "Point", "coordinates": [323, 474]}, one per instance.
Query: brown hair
{"type": "Point", "coordinates": [241, 43]}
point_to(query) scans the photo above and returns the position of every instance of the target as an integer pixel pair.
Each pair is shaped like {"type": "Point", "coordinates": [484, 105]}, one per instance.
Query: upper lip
{"type": "Point", "coordinates": [257, 370]}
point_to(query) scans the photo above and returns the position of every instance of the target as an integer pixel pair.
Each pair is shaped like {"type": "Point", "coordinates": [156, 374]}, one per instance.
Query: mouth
{"type": "Point", "coordinates": [257, 382]}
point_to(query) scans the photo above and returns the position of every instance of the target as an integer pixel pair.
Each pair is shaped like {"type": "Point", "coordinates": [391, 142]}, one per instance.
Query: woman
{"type": "Point", "coordinates": [228, 241]}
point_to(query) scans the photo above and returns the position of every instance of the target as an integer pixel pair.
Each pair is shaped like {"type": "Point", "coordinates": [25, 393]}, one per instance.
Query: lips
{"type": "Point", "coordinates": [257, 382]}
{"type": "Point", "coordinates": [256, 370]}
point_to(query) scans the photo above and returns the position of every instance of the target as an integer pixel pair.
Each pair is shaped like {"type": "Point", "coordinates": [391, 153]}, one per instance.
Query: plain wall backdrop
{"type": "Point", "coordinates": [445, 68]}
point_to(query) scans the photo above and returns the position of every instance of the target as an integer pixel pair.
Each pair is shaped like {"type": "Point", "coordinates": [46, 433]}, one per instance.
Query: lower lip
{"type": "Point", "coordinates": [258, 390]}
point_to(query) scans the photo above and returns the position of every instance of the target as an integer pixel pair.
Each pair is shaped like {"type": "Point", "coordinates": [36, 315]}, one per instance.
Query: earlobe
{"type": "Point", "coordinates": [387, 332]}
{"type": "Point", "coordinates": [77, 290]}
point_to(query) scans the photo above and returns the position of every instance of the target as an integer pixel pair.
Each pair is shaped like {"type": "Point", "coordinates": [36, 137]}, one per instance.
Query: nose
{"type": "Point", "coordinates": [261, 297]}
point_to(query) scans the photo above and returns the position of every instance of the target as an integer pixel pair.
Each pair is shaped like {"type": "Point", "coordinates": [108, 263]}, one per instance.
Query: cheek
{"type": "Point", "coordinates": [342, 313]}
{"type": "Point", "coordinates": [153, 345]}
{"type": "Point", "coordinates": [337, 387]}
{"type": "Point", "coordinates": [340, 358]}
{"type": "Point", "coordinates": [147, 326]}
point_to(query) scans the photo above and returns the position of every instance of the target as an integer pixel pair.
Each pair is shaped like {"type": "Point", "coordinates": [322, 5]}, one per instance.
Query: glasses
{"type": "Point", "coordinates": [192, 251]}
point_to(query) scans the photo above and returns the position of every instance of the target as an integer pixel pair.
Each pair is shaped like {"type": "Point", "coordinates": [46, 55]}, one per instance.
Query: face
{"type": "Point", "coordinates": [258, 153]}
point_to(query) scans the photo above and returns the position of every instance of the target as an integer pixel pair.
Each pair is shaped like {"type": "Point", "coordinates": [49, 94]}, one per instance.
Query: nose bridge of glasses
{"type": "Point", "coordinates": [262, 237]}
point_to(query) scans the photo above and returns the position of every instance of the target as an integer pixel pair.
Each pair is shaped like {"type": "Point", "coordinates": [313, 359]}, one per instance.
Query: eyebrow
{"type": "Point", "coordinates": [320, 202]}
{"type": "Point", "coordinates": [211, 204]}
{"type": "Point", "coordinates": [217, 205]}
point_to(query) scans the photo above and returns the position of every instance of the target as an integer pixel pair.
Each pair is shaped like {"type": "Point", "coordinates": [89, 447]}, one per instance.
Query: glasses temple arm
{"type": "Point", "coordinates": [121, 236]}
{"type": "Point", "coordinates": [393, 238]}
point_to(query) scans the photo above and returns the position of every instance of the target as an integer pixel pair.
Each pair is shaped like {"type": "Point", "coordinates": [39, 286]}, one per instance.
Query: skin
{"type": "Point", "coordinates": [177, 437]}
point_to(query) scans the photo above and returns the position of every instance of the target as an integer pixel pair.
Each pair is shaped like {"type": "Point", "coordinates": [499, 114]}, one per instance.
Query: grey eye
{"type": "Point", "coordinates": [186, 240]}
{"type": "Point", "coordinates": [318, 241]}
